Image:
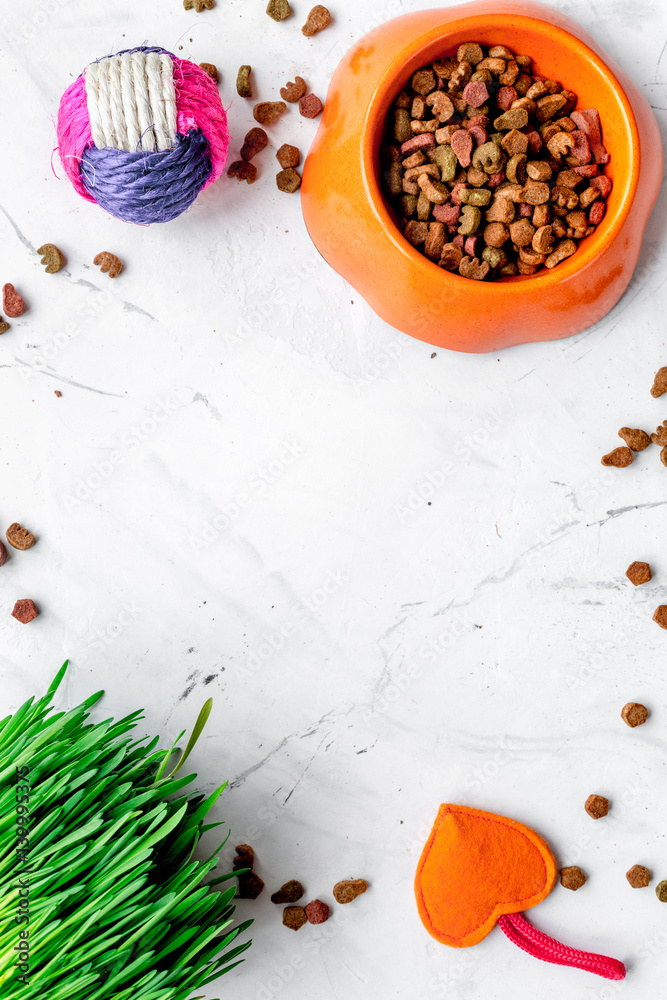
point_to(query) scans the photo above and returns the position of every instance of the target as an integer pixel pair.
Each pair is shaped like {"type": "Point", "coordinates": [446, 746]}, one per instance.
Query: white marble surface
{"type": "Point", "coordinates": [231, 500]}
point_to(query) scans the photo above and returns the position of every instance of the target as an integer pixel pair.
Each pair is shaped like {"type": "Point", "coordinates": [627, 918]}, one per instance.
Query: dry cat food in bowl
{"type": "Point", "coordinates": [353, 224]}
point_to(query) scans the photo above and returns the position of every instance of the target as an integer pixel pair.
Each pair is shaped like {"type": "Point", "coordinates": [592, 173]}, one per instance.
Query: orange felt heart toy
{"type": "Point", "coordinates": [478, 870]}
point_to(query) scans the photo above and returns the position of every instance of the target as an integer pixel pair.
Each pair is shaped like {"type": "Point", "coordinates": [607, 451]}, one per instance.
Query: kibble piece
{"type": "Point", "coordinates": [243, 171]}
{"type": "Point", "coordinates": [659, 383]}
{"type": "Point", "coordinates": [310, 106]}
{"type": "Point", "coordinates": [660, 615]}
{"type": "Point", "coordinates": [290, 892]}
{"type": "Point", "coordinates": [638, 877]}
{"type": "Point", "coordinates": [634, 437]}
{"type": "Point", "coordinates": [634, 714]}
{"type": "Point", "coordinates": [346, 891]}
{"type": "Point", "coordinates": [3, 554]}
{"type": "Point", "coordinates": [288, 156]}
{"type": "Point", "coordinates": [596, 806]}
{"type": "Point", "coordinates": [470, 52]}
{"type": "Point", "coordinates": [317, 912]}
{"type": "Point", "coordinates": [288, 180]}
{"type": "Point", "coordinates": [245, 857]}
{"type": "Point", "coordinates": [24, 611]}
{"type": "Point", "coordinates": [20, 538]}
{"type": "Point", "coordinates": [243, 84]}
{"type": "Point", "coordinates": [12, 302]}
{"type": "Point", "coordinates": [661, 891]}
{"type": "Point", "coordinates": [294, 90]}
{"type": "Point", "coordinates": [255, 141]}
{"type": "Point", "coordinates": [294, 917]}
{"type": "Point", "coordinates": [250, 885]}
{"type": "Point", "coordinates": [318, 19]}
{"type": "Point", "coordinates": [3, 326]}
{"type": "Point", "coordinates": [572, 877]}
{"type": "Point", "coordinates": [278, 9]}
{"type": "Point", "coordinates": [620, 458]}
{"type": "Point", "coordinates": [108, 263]}
{"type": "Point", "coordinates": [660, 436]}
{"type": "Point", "coordinates": [211, 70]}
{"type": "Point", "coordinates": [663, 455]}
{"type": "Point", "coordinates": [267, 111]}
{"type": "Point", "coordinates": [198, 5]}
{"type": "Point", "coordinates": [638, 573]}
{"type": "Point", "coordinates": [52, 257]}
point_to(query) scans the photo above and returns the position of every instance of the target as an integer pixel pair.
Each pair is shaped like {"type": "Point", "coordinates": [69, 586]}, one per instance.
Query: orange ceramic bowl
{"type": "Point", "coordinates": [356, 232]}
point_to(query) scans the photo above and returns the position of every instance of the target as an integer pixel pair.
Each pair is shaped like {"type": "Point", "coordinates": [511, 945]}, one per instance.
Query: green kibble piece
{"type": "Point", "coordinates": [243, 84]}
{"type": "Point", "coordinates": [394, 178]}
{"type": "Point", "coordinates": [402, 127]}
{"type": "Point", "coordinates": [494, 256]}
{"type": "Point", "coordinates": [476, 196]}
{"type": "Point", "coordinates": [470, 219]}
{"type": "Point", "coordinates": [409, 204]}
{"type": "Point", "coordinates": [423, 207]}
{"type": "Point", "coordinates": [514, 118]}
{"type": "Point", "coordinates": [487, 157]}
{"type": "Point", "coordinates": [516, 168]}
{"type": "Point", "coordinates": [278, 9]}
{"type": "Point", "coordinates": [661, 891]}
{"type": "Point", "coordinates": [446, 160]}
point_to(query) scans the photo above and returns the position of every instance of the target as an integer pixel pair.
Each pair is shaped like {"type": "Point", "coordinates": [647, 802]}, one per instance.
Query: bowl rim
{"type": "Point", "coordinates": [373, 128]}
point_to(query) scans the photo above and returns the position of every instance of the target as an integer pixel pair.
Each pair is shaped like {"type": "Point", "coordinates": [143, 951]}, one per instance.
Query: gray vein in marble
{"type": "Point", "coordinates": [619, 511]}
{"type": "Point", "coordinates": [213, 410]}
{"type": "Point", "coordinates": [68, 381]}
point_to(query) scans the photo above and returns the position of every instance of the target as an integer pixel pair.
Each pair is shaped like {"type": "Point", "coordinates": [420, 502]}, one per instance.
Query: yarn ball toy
{"type": "Point", "coordinates": [141, 133]}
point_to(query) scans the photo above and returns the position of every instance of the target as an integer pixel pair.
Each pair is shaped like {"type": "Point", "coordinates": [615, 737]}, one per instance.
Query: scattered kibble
{"type": "Point", "coordinates": [24, 611]}
{"type": "Point", "coordinates": [349, 889]}
{"type": "Point", "coordinates": [12, 302]}
{"type": "Point", "coordinates": [494, 162]}
{"type": "Point", "coordinates": [3, 326]}
{"type": "Point", "coordinates": [52, 257]}
{"type": "Point", "coordinates": [660, 615]}
{"type": "Point", "coordinates": [243, 83]}
{"type": "Point", "coordinates": [317, 912]}
{"type": "Point", "coordinates": [290, 892]}
{"type": "Point", "coordinates": [255, 141]}
{"type": "Point", "coordinates": [20, 538]}
{"type": "Point", "coordinates": [596, 806]}
{"type": "Point", "coordinates": [317, 20]}
{"type": "Point", "coordinates": [199, 5]}
{"type": "Point", "coordinates": [288, 156]}
{"type": "Point", "coordinates": [267, 111]}
{"type": "Point", "coordinates": [663, 456]}
{"type": "Point", "coordinates": [108, 262]}
{"type": "Point", "coordinates": [634, 714]}
{"type": "Point", "coordinates": [294, 90]}
{"type": "Point", "coordinates": [572, 877]}
{"type": "Point", "coordinates": [639, 573]}
{"type": "Point", "coordinates": [57, 393]}
{"type": "Point", "coordinates": [288, 180]}
{"type": "Point", "coordinates": [661, 891]}
{"type": "Point", "coordinates": [278, 9]}
{"type": "Point", "coordinates": [211, 70]}
{"type": "Point", "coordinates": [660, 436]}
{"type": "Point", "coordinates": [250, 885]}
{"type": "Point", "coordinates": [638, 877]}
{"type": "Point", "coordinates": [3, 553]}
{"type": "Point", "coordinates": [635, 438]}
{"type": "Point", "coordinates": [245, 857]}
{"type": "Point", "coordinates": [310, 106]}
{"type": "Point", "coordinates": [294, 917]}
{"type": "Point", "coordinates": [243, 171]}
{"type": "Point", "coordinates": [619, 458]}
{"type": "Point", "coordinates": [659, 383]}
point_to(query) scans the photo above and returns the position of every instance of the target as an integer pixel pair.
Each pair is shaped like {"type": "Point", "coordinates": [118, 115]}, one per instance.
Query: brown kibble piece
{"type": "Point", "coordinates": [255, 141]}
{"type": "Point", "coordinates": [294, 917]}
{"type": "Point", "coordinates": [659, 383]}
{"type": "Point", "coordinates": [24, 611]}
{"type": "Point", "coordinates": [243, 84]}
{"type": "Point", "coordinates": [245, 857]}
{"type": "Point", "coordinates": [663, 455]}
{"type": "Point", "coordinates": [266, 112]}
{"type": "Point", "coordinates": [290, 892]}
{"type": "Point", "coordinates": [660, 616]}
{"type": "Point", "coordinates": [211, 70]}
{"type": "Point", "coordinates": [451, 257]}
{"type": "Point", "coordinates": [3, 326]}
{"type": "Point", "coordinates": [310, 106]}
{"type": "Point", "coordinates": [288, 180]}
{"type": "Point", "coordinates": [346, 891]}
{"type": "Point", "coordinates": [288, 156]}
{"type": "Point", "coordinates": [635, 438]}
{"type": "Point", "coordinates": [12, 302]}
{"type": "Point", "coordinates": [108, 262]}
{"type": "Point", "coordinates": [638, 573]}
{"type": "Point", "coordinates": [52, 257]}
{"type": "Point", "coordinates": [3, 554]}
{"type": "Point", "coordinates": [596, 806]}
{"type": "Point", "coordinates": [318, 19]}
{"type": "Point", "coordinates": [20, 538]}
{"type": "Point", "coordinates": [317, 912]}
{"type": "Point", "coordinates": [634, 714]}
{"type": "Point", "coordinates": [293, 91]}
{"type": "Point", "coordinates": [660, 436]}
{"type": "Point", "coordinates": [198, 5]}
{"type": "Point", "coordinates": [619, 458]}
{"type": "Point", "coordinates": [423, 82]}
{"type": "Point", "coordinates": [572, 877]}
{"type": "Point", "coordinates": [278, 9]}
{"type": "Point", "coordinates": [638, 877]}
{"type": "Point", "coordinates": [661, 891]}
{"type": "Point", "coordinates": [243, 171]}
{"type": "Point", "coordinates": [250, 885]}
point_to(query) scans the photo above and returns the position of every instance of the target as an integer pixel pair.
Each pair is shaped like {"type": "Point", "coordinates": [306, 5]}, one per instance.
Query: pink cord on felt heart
{"type": "Point", "coordinates": [546, 948]}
